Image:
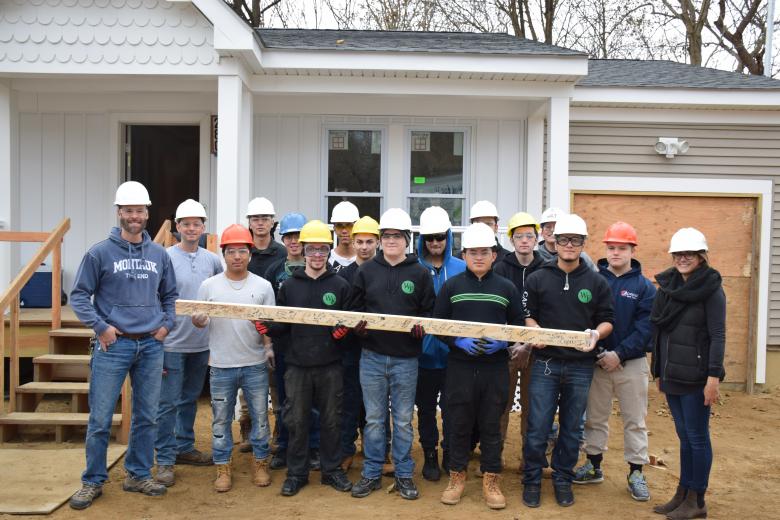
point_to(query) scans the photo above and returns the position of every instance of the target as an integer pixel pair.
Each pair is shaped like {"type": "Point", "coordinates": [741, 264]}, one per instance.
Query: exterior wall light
{"type": "Point", "coordinates": [671, 146]}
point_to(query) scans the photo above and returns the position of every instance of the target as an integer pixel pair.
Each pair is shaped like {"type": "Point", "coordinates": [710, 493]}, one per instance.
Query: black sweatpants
{"type": "Point", "coordinates": [430, 383]}
{"type": "Point", "coordinates": [320, 388]}
{"type": "Point", "coordinates": [476, 395]}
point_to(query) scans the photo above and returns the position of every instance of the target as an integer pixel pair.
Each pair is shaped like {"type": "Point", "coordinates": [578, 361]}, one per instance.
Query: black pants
{"type": "Point", "coordinates": [321, 388]}
{"type": "Point", "coordinates": [476, 394]}
{"type": "Point", "coordinates": [430, 383]}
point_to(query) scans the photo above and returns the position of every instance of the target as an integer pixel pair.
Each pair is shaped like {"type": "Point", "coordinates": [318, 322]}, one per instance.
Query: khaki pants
{"type": "Point", "coordinates": [630, 387]}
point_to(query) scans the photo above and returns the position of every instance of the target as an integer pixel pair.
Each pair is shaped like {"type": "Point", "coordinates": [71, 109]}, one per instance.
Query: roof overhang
{"type": "Point", "coordinates": [722, 99]}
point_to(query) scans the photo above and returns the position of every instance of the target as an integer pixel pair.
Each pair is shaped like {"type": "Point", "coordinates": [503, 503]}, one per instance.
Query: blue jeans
{"type": "Point", "coordinates": [692, 422]}
{"type": "Point", "coordinates": [183, 376]}
{"type": "Point", "coordinates": [563, 385]}
{"type": "Point", "coordinates": [143, 360]}
{"type": "Point", "coordinates": [283, 437]}
{"type": "Point", "coordinates": [225, 382]}
{"type": "Point", "coordinates": [382, 377]}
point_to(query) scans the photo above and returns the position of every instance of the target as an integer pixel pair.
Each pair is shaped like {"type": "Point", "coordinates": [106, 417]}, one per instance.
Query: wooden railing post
{"type": "Point", "coordinates": [56, 287]}
{"type": "Point", "coordinates": [123, 435]}
{"type": "Point", "coordinates": [13, 383]}
{"type": "Point", "coordinates": [2, 357]}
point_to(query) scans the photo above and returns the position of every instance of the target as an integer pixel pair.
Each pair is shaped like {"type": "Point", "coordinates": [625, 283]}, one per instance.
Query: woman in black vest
{"type": "Point", "coordinates": [689, 339]}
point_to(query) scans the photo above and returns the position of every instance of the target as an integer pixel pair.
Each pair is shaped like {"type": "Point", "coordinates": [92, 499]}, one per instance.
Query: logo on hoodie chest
{"type": "Point", "coordinates": [585, 296]}
{"type": "Point", "coordinates": [628, 294]}
{"type": "Point", "coordinates": [131, 266]}
{"type": "Point", "coordinates": [407, 286]}
{"type": "Point", "coordinates": [329, 298]}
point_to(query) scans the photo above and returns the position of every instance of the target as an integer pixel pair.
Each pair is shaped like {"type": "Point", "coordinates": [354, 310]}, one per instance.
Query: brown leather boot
{"type": "Point", "coordinates": [224, 480]}
{"type": "Point", "coordinates": [491, 490]}
{"type": "Point", "coordinates": [688, 509]}
{"type": "Point", "coordinates": [261, 476]}
{"type": "Point", "coordinates": [455, 488]}
{"type": "Point", "coordinates": [673, 504]}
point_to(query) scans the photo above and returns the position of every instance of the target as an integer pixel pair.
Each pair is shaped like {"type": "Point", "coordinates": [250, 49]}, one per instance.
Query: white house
{"type": "Point", "coordinates": [94, 92]}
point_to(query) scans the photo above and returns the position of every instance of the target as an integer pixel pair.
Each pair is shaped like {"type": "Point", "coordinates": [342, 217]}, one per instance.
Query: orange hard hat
{"type": "Point", "coordinates": [236, 234]}
{"type": "Point", "coordinates": [622, 233]}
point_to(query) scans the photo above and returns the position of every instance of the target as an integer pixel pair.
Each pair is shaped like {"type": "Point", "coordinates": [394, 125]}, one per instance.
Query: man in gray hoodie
{"type": "Point", "coordinates": [125, 290]}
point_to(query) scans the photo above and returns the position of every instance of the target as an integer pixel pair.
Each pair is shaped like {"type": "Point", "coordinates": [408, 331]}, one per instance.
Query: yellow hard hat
{"type": "Point", "coordinates": [316, 231]}
{"type": "Point", "coordinates": [365, 225]}
{"type": "Point", "coordinates": [521, 219]}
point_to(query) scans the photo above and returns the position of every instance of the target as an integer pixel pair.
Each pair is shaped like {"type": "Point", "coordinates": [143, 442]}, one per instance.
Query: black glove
{"type": "Point", "coordinates": [417, 332]}
{"type": "Point", "coordinates": [360, 329]}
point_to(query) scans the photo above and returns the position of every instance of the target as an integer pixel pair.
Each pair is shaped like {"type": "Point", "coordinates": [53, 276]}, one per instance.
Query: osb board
{"type": "Point", "coordinates": [38, 481]}
{"type": "Point", "coordinates": [727, 222]}
{"type": "Point", "coordinates": [33, 340]}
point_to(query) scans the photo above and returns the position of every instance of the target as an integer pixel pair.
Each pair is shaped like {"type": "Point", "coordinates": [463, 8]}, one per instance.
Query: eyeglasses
{"type": "Point", "coordinates": [243, 251]}
{"type": "Point", "coordinates": [316, 251]}
{"type": "Point", "coordinates": [526, 236]}
{"type": "Point", "coordinates": [343, 225]}
{"type": "Point", "coordinates": [564, 240]}
{"type": "Point", "coordinates": [261, 218]}
{"type": "Point", "coordinates": [688, 255]}
{"type": "Point", "coordinates": [435, 238]}
{"type": "Point", "coordinates": [392, 236]}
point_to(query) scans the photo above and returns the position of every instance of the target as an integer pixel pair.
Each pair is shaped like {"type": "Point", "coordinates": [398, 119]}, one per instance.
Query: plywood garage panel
{"type": "Point", "coordinates": [727, 222]}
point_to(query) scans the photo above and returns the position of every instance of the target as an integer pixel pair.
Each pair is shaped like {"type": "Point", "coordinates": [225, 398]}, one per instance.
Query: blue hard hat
{"type": "Point", "coordinates": [291, 223]}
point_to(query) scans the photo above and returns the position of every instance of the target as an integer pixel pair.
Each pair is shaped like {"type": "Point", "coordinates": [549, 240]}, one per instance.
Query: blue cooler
{"type": "Point", "coordinates": [37, 291]}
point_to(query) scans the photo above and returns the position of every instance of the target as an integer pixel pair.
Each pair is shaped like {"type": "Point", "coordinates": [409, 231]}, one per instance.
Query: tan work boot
{"type": "Point", "coordinates": [491, 490]}
{"type": "Point", "coordinates": [261, 476]}
{"type": "Point", "coordinates": [224, 480]}
{"type": "Point", "coordinates": [245, 423]}
{"type": "Point", "coordinates": [455, 488]}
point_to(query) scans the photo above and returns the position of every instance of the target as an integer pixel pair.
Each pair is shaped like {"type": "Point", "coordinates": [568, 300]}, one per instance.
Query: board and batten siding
{"type": "Point", "coordinates": [727, 151]}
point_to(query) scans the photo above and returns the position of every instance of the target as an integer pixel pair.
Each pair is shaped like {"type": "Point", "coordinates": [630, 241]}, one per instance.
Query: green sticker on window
{"type": "Point", "coordinates": [419, 180]}
{"type": "Point", "coordinates": [329, 298]}
{"type": "Point", "coordinates": [407, 286]}
{"type": "Point", "coordinates": [584, 296]}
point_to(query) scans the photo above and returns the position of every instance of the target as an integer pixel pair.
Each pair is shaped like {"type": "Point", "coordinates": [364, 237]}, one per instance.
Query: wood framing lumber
{"type": "Point", "coordinates": [387, 322]}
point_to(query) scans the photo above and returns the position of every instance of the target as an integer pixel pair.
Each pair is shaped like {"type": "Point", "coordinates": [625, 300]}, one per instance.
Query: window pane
{"type": "Point", "coordinates": [437, 162]}
{"type": "Point", "coordinates": [454, 208]}
{"type": "Point", "coordinates": [366, 206]}
{"type": "Point", "coordinates": [354, 160]}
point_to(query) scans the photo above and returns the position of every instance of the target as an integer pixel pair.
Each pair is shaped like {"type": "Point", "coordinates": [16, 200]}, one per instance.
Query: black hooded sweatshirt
{"type": "Point", "coordinates": [577, 301]}
{"type": "Point", "coordinates": [509, 267]}
{"type": "Point", "coordinates": [405, 289]}
{"type": "Point", "coordinates": [310, 345]}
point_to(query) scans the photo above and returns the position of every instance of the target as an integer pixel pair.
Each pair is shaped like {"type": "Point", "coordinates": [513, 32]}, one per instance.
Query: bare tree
{"type": "Point", "coordinates": [748, 29]}
{"type": "Point", "coordinates": [252, 12]}
{"type": "Point", "coordinates": [693, 16]}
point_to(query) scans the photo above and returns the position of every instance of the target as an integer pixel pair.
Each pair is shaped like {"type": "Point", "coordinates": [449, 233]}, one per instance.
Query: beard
{"type": "Point", "coordinates": [132, 226]}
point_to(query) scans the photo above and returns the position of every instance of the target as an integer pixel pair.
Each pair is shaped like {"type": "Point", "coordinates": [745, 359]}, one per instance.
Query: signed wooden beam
{"type": "Point", "coordinates": [387, 322]}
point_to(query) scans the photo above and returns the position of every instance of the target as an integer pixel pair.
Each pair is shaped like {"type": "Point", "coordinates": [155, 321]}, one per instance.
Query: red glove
{"type": "Point", "coordinates": [417, 332]}
{"type": "Point", "coordinates": [339, 331]}
{"type": "Point", "coordinates": [360, 328]}
{"type": "Point", "coordinates": [261, 327]}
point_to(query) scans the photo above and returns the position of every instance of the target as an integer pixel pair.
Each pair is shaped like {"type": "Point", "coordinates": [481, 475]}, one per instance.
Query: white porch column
{"type": "Point", "coordinates": [558, 152]}
{"type": "Point", "coordinates": [534, 162]}
{"type": "Point", "coordinates": [234, 152]}
{"type": "Point", "coordinates": [5, 182]}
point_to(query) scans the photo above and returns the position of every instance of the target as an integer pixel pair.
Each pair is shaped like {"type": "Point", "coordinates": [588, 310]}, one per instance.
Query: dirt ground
{"type": "Point", "coordinates": [744, 483]}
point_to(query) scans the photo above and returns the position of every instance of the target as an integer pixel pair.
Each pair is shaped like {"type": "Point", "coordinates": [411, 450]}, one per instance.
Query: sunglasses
{"type": "Point", "coordinates": [575, 241]}
{"type": "Point", "coordinates": [435, 238]}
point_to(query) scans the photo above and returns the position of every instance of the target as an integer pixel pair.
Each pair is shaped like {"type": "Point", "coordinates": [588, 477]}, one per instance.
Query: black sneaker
{"type": "Point", "coordinates": [407, 489]}
{"type": "Point", "coordinates": [532, 495]}
{"type": "Point", "coordinates": [337, 480]}
{"type": "Point", "coordinates": [279, 460]}
{"type": "Point", "coordinates": [83, 498]}
{"type": "Point", "coordinates": [563, 494]}
{"type": "Point", "coordinates": [314, 459]}
{"type": "Point", "coordinates": [365, 486]}
{"type": "Point", "coordinates": [292, 485]}
{"type": "Point", "coordinates": [431, 470]}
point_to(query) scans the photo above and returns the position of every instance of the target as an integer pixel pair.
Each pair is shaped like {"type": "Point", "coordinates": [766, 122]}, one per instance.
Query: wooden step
{"type": "Point", "coordinates": [63, 359]}
{"type": "Point", "coordinates": [51, 418]}
{"type": "Point", "coordinates": [75, 332]}
{"type": "Point", "coordinates": [45, 387]}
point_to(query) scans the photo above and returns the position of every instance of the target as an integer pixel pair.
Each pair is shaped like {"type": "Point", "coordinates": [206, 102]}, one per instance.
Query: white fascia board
{"type": "Point", "coordinates": [574, 66]}
{"type": "Point", "coordinates": [761, 188]}
{"type": "Point", "coordinates": [267, 84]}
{"type": "Point", "coordinates": [676, 115]}
{"type": "Point", "coordinates": [669, 96]}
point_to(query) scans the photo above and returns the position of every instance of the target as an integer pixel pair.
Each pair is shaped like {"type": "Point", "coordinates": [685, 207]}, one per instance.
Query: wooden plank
{"type": "Point", "coordinates": [14, 361]}
{"type": "Point", "coordinates": [23, 236]}
{"type": "Point", "coordinates": [46, 387]}
{"type": "Point", "coordinates": [74, 419]}
{"type": "Point", "coordinates": [56, 286]}
{"type": "Point", "coordinates": [386, 322]}
{"type": "Point", "coordinates": [62, 359]}
{"type": "Point", "coordinates": [123, 435]}
{"type": "Point", "coordinates": [162, 233]}
{"type": "Point", "coordinates": [73, 332]}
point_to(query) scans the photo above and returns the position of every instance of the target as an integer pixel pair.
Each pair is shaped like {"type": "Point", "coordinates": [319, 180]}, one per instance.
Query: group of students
{"type": "Point", "coordinates": [331, 383]}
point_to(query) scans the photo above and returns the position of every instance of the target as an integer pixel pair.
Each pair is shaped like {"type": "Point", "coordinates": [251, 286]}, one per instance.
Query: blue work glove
{"type": "Point", "coordinates": [491, 346]}
{"type": "Point", "coordinates": [470, 346]}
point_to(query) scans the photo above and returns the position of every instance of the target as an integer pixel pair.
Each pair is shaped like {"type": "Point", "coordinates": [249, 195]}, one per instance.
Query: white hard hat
{"type": "Point", "coordinates": [190, 208]}
{"type": "Point", "coordinates": [570, 224]}
{"type": "Point", "coordinates": [395, 218]}
{"type": "Point", "coordinates": [483, 208]}
{"type": "Point", "coordinates": [551, 215]}
{"type": "Point", "coordinates": [132, 193]}
{"type": "Point", "coordinates": [344, 211]}
{"type": "Point", "coordinates": [260, 206]}
{"type": "Point", "coordinates": [688, 239]}
{"type": "Point", "coordinates": [478, 235]}
{"type": "Point", "coordinates": [434, 220]}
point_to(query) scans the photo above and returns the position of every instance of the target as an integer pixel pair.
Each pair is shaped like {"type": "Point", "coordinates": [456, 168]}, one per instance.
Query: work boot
{"type": "Point", "coordinates": [337, 480]}
{"type": "Point", "coordinates": [314, 459]}
{"type": "Point", "coordinates": [564, 494]}
{"type": "Point", "coordinates": [195, 458]}
{"type": "Point", "coordinates": [84, 497]}
{"type": "Point", "coordinates": [245, 423]}
{"type": "Point", "coordinates": [365, 486]}
{"type": "Point", "coordinates": [224, 480]}
{"type": "Point", "coordinates": [346, 463]}
{"type": "Point", "coordinates": [455, 488]}
{"type": "Point", "coordinates": [165, 476]}
{"type": "Point", "coordinates": [673, 504]}
{"type": "Point", "coordinates": [261, 476]}
{"type": "Point", "coordinates": [147, 486]}
{"type": "Point", "coordinates": [491, 490]}
{"type": "Point", "coordinates": [431, 470]}
{"type": "Point", "coordinates": [292, 485]}
{"type": "Point", "coordinates": [406, 488]}
{"type": "Point", "coordinates": [279, 459]}
{"type": "Point", "coordinates": [532, 495]}
{"type": "Point", "coordinates": [689, 508]}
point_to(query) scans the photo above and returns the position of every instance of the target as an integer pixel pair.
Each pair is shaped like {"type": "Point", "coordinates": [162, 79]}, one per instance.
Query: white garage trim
{"type": "Point", "coordinates": [761, 188]}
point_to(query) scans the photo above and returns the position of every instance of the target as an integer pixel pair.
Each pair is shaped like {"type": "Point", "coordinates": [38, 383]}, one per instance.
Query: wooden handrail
{"type": "Point", "coordinates": [162, 233]}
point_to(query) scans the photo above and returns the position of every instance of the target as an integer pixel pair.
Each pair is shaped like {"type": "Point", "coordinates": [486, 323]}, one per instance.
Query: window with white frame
{"type": "Point", "coordinates": [437, 172]}
{"type": "Point", "coordinates": [354, 163]}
